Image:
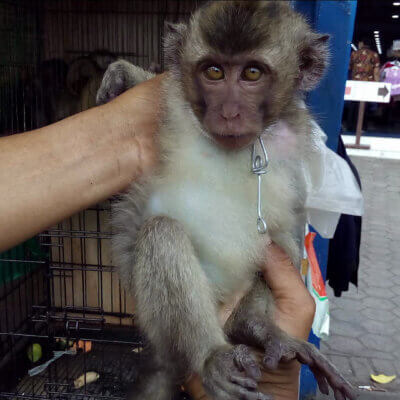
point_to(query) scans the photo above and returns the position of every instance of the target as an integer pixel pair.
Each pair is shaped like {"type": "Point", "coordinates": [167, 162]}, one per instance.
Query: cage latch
{"type": "Point", "coordinates": [72, 324]}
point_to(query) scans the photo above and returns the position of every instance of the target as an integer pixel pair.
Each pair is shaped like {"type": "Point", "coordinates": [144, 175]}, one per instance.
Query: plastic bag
{"type": "Point", "coordinates": [332, 189]}
{"type": "Point", "coordinates": [331, 186]}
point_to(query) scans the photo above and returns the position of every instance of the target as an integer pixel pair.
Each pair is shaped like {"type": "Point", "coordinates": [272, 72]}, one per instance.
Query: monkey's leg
{"type": "Point", "coordinates": [252, 324]}
{"type": "Point", "coordinates": [175, 308]}
{"type": "Point", "coordinates": [120, 76]}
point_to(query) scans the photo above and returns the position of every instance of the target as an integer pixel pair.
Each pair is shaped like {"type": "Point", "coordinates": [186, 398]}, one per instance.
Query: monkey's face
{"type": "Point", "coordinates": [231, 98]}
{"type": "Point", "coordinates": [241, 64]}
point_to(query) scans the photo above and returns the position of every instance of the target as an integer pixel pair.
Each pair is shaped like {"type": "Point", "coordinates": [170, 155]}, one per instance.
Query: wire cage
{"type": "Point", "coordinates": [66, 325]}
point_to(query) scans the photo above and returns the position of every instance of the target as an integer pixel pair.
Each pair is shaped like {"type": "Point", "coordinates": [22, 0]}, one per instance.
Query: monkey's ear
{"type": "Point", "coordinates": [174, 39]}
{"type": "Point", "coordinates": [314, 58]}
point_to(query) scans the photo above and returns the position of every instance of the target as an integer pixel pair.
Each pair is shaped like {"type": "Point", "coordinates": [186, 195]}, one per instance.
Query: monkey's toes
{"type": "Point", "coordinates": [235, 392]}
{"type": "Point", "coordinates": [246, 363]}
{"type": "Point", "coordinates": [244, 382]}
{"type": "Point", "coordinates": [231, 373]}
{"type": "Point", "coordinates": [325, 372]}
{"type": "Point", "coordinates": [274, 351]}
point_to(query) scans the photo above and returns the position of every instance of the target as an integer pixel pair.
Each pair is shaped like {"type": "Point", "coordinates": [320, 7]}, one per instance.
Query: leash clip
{"type": "Point", "coordinates": [259, 166]}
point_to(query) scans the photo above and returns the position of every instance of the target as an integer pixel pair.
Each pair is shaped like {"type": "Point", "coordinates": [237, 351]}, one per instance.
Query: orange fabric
{"type": "Point", "coordinates": [317, 280]}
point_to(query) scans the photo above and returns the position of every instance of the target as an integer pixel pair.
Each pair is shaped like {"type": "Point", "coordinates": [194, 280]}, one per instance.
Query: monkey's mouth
{"type": "Point", "coordinates": [233, 142]}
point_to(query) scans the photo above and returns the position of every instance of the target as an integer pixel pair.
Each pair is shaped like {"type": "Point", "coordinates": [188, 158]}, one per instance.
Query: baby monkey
{"type": "Point", "coordinates": [186, 237]}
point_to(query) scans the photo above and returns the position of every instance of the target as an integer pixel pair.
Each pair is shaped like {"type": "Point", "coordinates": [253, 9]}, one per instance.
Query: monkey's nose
{"type": "Point", "coordinates": [230, 111]}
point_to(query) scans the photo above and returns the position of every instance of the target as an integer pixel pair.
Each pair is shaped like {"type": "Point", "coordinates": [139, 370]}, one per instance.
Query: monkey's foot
{"type": "Point", "coordinates": [231, 373]}
{"type": "Point", "coordinates": [280, 349]}
{"type": "Point", "coordinates": [115, 81]}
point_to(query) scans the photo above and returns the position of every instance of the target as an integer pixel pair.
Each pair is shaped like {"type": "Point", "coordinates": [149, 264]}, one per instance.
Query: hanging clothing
{"type": "Point", "coordinates": [391, 74]}
{"type": "Point", "coordinates": [344, 248]}
{"type": "Point", "coordinates": [389, 64]}
{"type": "Point", "coordinates": [363, 63]}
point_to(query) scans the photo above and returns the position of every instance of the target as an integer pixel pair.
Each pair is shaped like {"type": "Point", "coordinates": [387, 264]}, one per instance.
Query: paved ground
{"type": "Point", "coordinates": [365, 323]}
{"type": "Point", "coordinates": [381, 147]}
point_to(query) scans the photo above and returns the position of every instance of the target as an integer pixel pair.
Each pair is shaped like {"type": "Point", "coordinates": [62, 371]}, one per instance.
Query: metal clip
{"type": "Point", "coordinates": [259, 164]}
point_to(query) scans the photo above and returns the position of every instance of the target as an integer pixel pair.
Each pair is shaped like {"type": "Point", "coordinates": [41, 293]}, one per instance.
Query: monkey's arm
{"type": "Point", "coordinates": [53, 172]}
{"type": "Point", "coordinates": [175, 308]}
{"type": "Point", "coordinates": [120, 76]}
{"type": "Point", "coordinates": [252, 323]}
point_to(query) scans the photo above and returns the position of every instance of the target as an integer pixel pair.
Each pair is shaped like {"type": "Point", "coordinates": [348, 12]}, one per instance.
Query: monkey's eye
{"type": "Point", "coordinates": [214, 73]}
{"type": "Point", "coordinates": [251, 74]}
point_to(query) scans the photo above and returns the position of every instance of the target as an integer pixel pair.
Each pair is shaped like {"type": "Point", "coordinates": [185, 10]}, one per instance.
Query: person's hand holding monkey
{"type": "Point", "coordinates": [295, 310]}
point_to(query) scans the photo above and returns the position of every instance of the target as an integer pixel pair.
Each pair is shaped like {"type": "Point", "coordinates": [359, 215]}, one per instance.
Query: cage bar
{"type": "Point", "coordinates": [61, 289]}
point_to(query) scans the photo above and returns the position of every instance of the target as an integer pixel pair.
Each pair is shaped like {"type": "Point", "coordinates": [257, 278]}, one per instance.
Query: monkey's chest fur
{"type": "Point", "coordinates": [213, 194]}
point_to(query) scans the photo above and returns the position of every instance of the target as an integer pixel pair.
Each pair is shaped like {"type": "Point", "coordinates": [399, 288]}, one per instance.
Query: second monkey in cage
{"type": "Point", "coordinates": [188, 236]}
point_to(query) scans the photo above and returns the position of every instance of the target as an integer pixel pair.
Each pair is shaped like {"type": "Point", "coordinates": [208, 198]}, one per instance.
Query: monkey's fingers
{"type": "Point", "coordinates": [114, 83]}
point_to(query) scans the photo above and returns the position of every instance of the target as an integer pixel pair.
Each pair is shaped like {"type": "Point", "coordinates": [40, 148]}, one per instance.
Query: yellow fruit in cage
{"type": "Point", "coordinates": [34, 352]}
{"type": "Point", "coordinates": [85, 379]}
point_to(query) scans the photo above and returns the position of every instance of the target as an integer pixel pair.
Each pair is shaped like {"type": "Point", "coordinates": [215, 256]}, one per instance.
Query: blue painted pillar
{"type": "Point", "coordinates": [326, 102]}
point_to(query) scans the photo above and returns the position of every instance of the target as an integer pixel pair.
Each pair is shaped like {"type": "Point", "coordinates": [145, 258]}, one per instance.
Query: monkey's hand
{"type": "Point", "coordinates": [116, 80]}
{"type": "Point", "coordinates": [231, 372]}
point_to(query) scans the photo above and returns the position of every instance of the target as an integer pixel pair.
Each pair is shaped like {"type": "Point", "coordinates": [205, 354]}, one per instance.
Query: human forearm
{"type": "Point", "coordinates": [53, 172]}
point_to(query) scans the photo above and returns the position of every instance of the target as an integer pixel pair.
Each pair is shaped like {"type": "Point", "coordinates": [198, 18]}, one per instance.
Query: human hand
{"type": "Point", "coordinates": [295, 309]}
{"type": "Point", "coordinates": [136, 117]}
{"type": "Point", "coordinates": [288, 291]}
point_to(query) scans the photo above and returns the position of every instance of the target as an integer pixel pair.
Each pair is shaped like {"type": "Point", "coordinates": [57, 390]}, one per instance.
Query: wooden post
{"type": "Point", "coordinates": [360, 121]}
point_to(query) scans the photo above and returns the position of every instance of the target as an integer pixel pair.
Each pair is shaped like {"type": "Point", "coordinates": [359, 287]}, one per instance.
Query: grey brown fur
{"type": "Point", "coordinates": [186, 237]}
